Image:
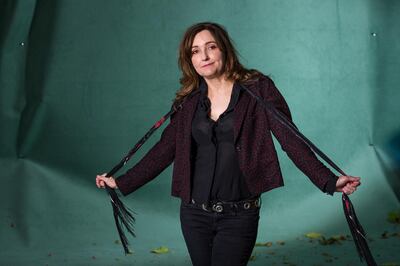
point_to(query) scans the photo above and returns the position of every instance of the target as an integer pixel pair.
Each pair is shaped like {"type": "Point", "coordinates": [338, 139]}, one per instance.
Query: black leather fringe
{"type": "Point", "coordinates": [123, 216]}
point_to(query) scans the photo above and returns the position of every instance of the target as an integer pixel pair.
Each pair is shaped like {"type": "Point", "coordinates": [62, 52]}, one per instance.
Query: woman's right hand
{"type": "Point", "coordinates": [102, 180]}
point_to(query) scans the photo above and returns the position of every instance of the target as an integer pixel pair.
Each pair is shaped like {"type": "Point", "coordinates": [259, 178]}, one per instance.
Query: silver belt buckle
{"type": "Point", "coordinates": [217, 207]}
{"type": "Point", "coordinates": [204, 207]}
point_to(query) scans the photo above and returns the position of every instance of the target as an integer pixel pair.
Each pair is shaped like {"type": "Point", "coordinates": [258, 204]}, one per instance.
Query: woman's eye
{"type": "Point", "coordinates": [194, 51]}
{"type": "Point", "coordinates": [212, 47]}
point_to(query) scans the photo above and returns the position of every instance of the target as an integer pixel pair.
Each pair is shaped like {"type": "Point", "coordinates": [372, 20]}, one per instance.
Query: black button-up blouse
{"type": "Point", "coordinates": [216, 173]}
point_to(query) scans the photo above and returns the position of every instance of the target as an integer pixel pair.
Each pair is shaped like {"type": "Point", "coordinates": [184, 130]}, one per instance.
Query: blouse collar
{"type": "Point", "coordinates": [205, 102]}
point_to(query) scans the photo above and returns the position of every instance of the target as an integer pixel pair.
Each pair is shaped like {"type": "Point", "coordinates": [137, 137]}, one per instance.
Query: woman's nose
{"type": "Point", "coordinates": [204, 56]}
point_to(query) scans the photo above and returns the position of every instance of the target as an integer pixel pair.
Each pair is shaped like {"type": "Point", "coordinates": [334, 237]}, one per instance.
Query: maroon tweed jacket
{"type": "Point", "coordinates": [254, 145]}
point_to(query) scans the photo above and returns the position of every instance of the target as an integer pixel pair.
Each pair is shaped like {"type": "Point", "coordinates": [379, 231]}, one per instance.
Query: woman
{"type": "Point", "coordinates": [221, 145]}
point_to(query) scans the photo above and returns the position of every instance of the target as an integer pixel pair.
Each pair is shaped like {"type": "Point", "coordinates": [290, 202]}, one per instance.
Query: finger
{"type": "Point", "coordinates": [354, 178]}
{"type": "Point", "coordinates": [352, 189]}
{"type": "Point", "coordinates": [348, 192]}
{"type": "Point", "coordinates": [103, 178]}
{"type": "Point", "coordinates": [98, 182]}
{"type": "Point", "coordinates": [110, 182]}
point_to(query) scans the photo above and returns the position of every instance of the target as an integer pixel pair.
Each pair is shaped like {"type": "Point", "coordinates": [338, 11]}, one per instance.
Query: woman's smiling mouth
{"type": "Point", "coordinates": [208, 64]}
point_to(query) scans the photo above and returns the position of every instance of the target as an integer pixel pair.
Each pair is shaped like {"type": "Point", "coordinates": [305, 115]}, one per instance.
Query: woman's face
{"type": "Point", "coordinates": [207, 58]}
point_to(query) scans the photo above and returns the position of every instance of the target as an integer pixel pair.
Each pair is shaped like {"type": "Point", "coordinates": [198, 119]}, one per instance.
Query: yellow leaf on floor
{"type": "Point", "coordinates": [313, 235]}
{"type": "Point", "coordinates": [394, 217]}
{"type": "Point", "coordinates": [160, 250]}
{"type": "Point", "coordinates": [266, 244]}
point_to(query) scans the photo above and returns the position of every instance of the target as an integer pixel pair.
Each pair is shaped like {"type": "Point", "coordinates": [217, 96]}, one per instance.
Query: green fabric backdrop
{"type": "Point", "coordinates": [82, 81]}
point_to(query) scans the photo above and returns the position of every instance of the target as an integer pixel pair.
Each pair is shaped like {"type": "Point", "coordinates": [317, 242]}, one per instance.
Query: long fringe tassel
{"type": "Point", "coordinates": [123, 216]}
{"type": "Point", "coordinates": [357, 232]}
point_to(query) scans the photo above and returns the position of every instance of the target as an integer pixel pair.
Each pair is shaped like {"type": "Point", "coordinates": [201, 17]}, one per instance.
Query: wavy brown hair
{"type": "Point", "coordinates": [233, 69]}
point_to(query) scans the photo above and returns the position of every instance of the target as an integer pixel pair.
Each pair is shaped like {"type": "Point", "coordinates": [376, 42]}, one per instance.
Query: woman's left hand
{"type": "Point", "coordinates": [347, 184]}
{"type": "Point", "coordinates": [102, 180]}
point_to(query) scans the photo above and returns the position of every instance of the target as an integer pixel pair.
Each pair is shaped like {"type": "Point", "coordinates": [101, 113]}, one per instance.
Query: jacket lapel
{"type": "Point", "coordinates": [239, 114]}
{"type": "Point", "coordinates": [189, 111]}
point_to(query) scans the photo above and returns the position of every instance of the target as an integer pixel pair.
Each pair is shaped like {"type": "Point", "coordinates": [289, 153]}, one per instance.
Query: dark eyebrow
{"type": "Point", "coordinates": [205, 43]}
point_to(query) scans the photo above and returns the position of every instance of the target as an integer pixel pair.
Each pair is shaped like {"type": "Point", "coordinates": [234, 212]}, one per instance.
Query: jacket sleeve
{"type": "Point", "coordinates": [301, 155]}
{"type": "Point", "coordinates": [159, 157]}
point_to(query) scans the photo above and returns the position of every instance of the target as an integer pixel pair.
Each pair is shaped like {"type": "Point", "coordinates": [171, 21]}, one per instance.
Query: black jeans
{"type": "Point", "coordinates": [219, 239]}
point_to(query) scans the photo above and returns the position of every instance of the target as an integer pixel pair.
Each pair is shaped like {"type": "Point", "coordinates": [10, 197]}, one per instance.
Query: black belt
{"type": "Point", "coordinates": [228, 206]}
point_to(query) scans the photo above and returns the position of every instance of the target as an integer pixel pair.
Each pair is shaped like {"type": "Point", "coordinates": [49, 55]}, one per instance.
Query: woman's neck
{"type": "Point", "coordinates": [218, 86]}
